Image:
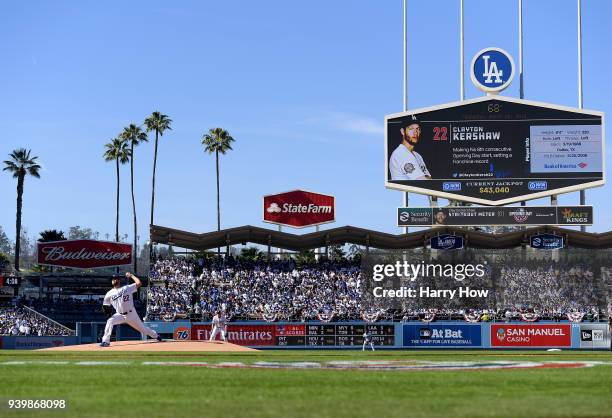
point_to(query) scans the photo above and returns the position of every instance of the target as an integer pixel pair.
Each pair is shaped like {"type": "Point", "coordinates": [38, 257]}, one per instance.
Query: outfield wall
{"type": "Point", "coordinates": [349, 335]}
{"type": "Point", "coordinates": [31, 342]}
{"type": "Point", "coordinates": [444, 335]}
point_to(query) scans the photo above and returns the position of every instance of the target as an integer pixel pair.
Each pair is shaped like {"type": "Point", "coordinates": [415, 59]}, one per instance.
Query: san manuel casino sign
{"type": "Point", "coordinates": [84, 254]}
{"type": "Point", "coordinates": [299, 208]}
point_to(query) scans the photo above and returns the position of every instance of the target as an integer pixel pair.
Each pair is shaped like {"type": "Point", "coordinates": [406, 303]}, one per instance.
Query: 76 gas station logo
{"type": "Point", "coordinates": [182, 333]}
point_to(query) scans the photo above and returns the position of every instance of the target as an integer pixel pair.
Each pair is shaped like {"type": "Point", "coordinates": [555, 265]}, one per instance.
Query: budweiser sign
{"type": "Point", "coordinates": [84, 254]}
{"type": "Point", "coordinates": [299, 209]}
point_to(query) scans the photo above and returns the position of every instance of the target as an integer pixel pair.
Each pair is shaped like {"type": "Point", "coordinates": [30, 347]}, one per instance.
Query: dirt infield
{"type": "Point", "coordinates": [151, 345]}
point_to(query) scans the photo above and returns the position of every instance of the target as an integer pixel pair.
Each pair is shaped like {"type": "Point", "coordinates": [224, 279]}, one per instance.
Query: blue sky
{"type": "Point", "coordinates": [303, 87]}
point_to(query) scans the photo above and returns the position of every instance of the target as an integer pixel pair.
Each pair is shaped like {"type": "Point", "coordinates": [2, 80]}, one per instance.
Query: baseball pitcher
{"type": "Point", "coordinates": [121, 299]}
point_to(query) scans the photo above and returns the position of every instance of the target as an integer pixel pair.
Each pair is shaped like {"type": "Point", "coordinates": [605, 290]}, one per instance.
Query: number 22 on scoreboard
{"type": "Point", "coordinates": [440, 133]}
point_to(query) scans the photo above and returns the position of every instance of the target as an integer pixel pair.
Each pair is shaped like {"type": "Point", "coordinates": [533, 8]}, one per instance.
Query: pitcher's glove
{"type": "Point", "coordinates": [108, 310]}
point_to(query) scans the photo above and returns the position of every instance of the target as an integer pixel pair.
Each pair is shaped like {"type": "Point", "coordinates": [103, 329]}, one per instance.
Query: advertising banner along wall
{"type": "Point", "coordinates": [346, 335]}
{"type": "Point", "coordinates": [302, 335]}
{"type": "Point", "coordinates": [84, 253]}
{"type": "Point", "coordinates": [532, 335]}
{"type": "Point", "coordinates": [594, 336]}
{"type": "Point", "coordinates": [249, 335]}
{"type": "Point", "coordinates": [442, 335]}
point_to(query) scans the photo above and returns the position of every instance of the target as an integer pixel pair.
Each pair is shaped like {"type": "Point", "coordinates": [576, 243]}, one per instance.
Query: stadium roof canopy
{"type": "Point", "coordinates": [373, 239]}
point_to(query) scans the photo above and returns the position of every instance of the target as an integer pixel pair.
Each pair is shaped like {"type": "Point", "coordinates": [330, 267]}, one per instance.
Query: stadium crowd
{"type": "Point", "coordinates": [20, 321]}
{"type": "Point", "coordinates": [180, 287]}
{"type": "Point", "coordinates": [551, 291]}
{"type": "Point", "coordinates": [282, 290]}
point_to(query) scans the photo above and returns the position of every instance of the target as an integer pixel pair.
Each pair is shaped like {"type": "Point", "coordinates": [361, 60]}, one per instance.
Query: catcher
{"type": "Point", "coordinates": [121, 299]}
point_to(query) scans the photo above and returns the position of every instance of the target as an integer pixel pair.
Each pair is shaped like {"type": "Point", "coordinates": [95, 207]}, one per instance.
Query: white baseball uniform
{"type": "Point", "coordinates": [219, 324]}
{"type": "Point", "coordinates": [121, 300]}
{"type": "Point", "coordinates": [407, 165]}
{"type": "Point", "coordinates": [367, 339]}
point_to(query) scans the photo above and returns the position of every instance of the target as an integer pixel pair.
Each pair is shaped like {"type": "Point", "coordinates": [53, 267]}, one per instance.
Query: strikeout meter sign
{"type": "Point", "coordinates": [494, 150]}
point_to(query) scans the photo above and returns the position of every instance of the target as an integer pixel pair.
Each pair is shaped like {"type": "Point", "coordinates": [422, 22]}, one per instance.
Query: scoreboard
{"type": "Point", "coordinates": [10, 281]}
{"type": "Point", "coordinates": [494, 150]}
{"type": "Point", "coordinates": [330, 335]}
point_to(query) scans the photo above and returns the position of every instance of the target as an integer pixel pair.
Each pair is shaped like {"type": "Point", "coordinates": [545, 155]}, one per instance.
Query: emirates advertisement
{"type": "Point", "coordinates": [532, 335]}
{"type": "Point", "coordinates": [248, 335]}
{"type": "Point", "coordinates": [84, 254]}
{"type": "Point", "coordinates": [299, 209]}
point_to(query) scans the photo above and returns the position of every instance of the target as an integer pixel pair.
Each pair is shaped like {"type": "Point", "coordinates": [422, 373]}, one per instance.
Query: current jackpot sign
{"type": "Point", "coordinates": [494, 150]}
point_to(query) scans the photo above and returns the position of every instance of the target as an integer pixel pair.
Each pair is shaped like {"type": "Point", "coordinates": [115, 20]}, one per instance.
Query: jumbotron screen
{"type": "Point", "coordinates": [494, 150]}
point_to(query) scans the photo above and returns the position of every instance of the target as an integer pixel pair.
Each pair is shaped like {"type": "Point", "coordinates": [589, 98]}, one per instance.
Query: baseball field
{"type": "Point", "coordinates": [309, 383]}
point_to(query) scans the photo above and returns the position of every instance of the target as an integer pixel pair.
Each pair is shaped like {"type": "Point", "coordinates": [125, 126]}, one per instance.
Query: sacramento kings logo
{"type": "Point", "coordinates": [501, 334]}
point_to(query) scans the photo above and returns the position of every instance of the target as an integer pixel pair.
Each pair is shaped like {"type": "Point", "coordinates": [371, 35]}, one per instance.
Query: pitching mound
{"type": "Point", "coordinates": [152, 345]}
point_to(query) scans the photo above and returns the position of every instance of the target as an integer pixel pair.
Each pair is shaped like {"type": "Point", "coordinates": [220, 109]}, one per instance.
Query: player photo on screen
{"type": "Point", "coordinates": [405, 162]}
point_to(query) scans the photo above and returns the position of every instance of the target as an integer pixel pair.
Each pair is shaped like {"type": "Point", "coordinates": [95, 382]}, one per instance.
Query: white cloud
{"type": "Point", "coordinates": [349, 123]}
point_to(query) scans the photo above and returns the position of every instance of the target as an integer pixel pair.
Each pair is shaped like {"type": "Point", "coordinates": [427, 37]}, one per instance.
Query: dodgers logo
{"type": "Point", "coordinates": [492, 70]}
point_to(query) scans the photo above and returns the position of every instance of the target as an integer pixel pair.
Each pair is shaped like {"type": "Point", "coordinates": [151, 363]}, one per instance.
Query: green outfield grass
{"type": "Point", "coordinates": [136, 390]}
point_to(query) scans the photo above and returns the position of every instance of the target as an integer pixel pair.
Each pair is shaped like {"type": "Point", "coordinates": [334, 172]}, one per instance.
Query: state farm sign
{"type": "Point", "coordinates": [299, 208]}
{"type": "Point", "coordinates": [84, 254]}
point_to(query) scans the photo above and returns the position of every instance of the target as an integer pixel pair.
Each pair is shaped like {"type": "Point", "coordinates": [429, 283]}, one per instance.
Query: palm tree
{"type": "Point", "coordinates": [217, 140]}
{"type": "Point", "coordinates": [20, 164]}
{"type": "Point", "coordinates": [134, 135]}
{"type": "Point", "coordinates": [117, 150]}
{"type": "Point", "coordinates": [49, 235]}
{"type": "Point", "coordinates": [157, 122]}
